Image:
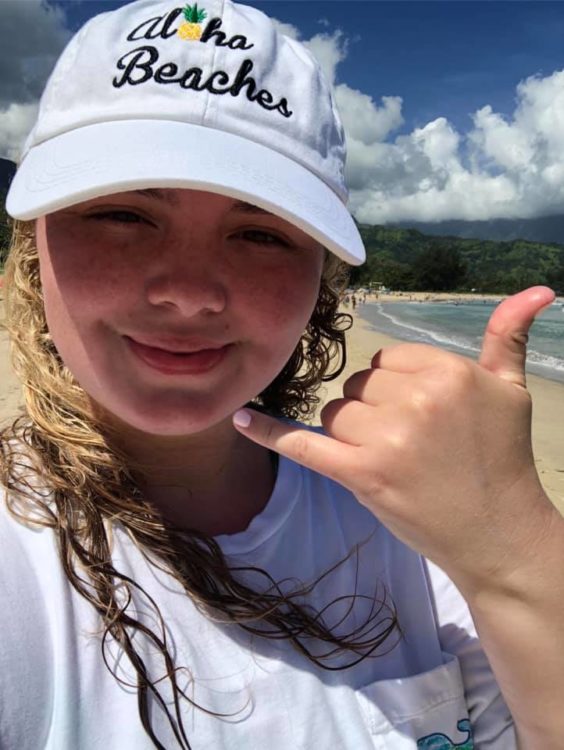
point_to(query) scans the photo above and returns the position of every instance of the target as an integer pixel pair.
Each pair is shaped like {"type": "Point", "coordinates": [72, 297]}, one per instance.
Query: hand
{"type": "Point", "coordinates": [438, 447]}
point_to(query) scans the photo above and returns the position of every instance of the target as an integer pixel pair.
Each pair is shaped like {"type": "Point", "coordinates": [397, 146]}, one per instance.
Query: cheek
{"type": "Point", "coordinates": [65, 303]}
{"type": "Point", "coordinates": [280, 301]}
{"type": "Point", "coordinates": [78, 281]}
{"type": "Point", "coordinates": [82, 270]}
{"type": "Point", "coordinates": [79, 276]}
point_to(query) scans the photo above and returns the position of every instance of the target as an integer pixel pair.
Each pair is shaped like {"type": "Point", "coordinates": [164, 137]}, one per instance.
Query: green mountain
{"type": "Point", "coordinates": [545, 229]}
{"type": "Point", "coordinates": [7, 171]}
{"type": "Point", "coordinates": [5, 231]}
{"type": "Point", "coordinates": [406, 259]}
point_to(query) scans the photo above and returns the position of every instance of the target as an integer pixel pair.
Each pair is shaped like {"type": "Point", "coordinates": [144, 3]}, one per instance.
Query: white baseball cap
{"type": "Point", "coordinates": [208, 96]}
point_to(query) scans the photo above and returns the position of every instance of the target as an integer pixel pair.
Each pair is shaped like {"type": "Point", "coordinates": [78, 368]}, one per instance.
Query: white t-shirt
{"type": "Point", "coordinates": [425, 690]}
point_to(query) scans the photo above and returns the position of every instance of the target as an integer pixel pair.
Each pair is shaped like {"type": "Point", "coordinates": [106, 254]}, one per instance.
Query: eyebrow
{"type": "Point", "coordinates": [162, 195]}
{"type": "Point", "coordinates": [249, 208]}
{"type": "Point", "coordinates": [169, 197]}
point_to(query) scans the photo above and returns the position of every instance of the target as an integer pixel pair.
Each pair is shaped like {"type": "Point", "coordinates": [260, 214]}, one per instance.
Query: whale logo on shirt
{"type": "Point", "coordinates": [439, 741]}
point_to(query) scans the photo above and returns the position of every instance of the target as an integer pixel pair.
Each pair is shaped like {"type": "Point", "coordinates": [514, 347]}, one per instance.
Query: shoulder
{"type": "Point", "coordinates": [21, 507]}
{"type": "Point", "coordinates": [28, 549]}
{"type": "Point", "coordinates": [26, 659]}
{"type": "Point", "coordinates": [25, 549]}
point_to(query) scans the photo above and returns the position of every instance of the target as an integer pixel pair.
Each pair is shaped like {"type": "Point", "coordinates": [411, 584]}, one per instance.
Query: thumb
{"type": "Point", "coordinates": [504, 347]}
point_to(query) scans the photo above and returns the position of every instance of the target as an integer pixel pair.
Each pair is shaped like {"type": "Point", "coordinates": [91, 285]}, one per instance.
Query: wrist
{"type": "Point", "coordinates": [532, 557]}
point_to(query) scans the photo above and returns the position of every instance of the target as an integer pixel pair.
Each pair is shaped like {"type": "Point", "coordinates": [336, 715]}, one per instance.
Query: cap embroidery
{"type": "Point", "coordinates": [143, 63]}
{"type": "Point", "coordinates": [160, 26]}
{"type": "Point", "coordinates": [191, 29]}
{"type": "Point", "coordinates": [212, 31]}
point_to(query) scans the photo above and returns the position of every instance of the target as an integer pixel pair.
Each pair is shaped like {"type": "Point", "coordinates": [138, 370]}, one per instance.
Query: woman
{"type": "Point", "coordinates": [186, 565]}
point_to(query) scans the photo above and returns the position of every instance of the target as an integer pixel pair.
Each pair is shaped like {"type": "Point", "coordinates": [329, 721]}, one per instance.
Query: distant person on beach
{"type": "Point", "coordinates": [185, 563]}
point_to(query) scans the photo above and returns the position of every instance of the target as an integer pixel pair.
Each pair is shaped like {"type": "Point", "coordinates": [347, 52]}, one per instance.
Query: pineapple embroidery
{"type": "Point", "coordinates": [191, 28]}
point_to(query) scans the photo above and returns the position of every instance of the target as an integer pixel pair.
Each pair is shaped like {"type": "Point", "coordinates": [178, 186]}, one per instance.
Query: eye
{"type": "Point", "coordinates": [120, 216]}
{"type": "Point", "coordinates": [263, 237]}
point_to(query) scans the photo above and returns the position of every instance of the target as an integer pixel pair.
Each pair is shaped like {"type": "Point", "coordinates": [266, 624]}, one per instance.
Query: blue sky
{"type": "Point", "coordinates": [443, 58]}
{"type": "Point", "coordinates": [452, 109]}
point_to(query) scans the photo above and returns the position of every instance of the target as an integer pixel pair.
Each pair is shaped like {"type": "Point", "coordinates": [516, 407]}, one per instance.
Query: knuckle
{"type": "Point", "coordinates": [377, 484]}
{"type": "Point", "coordinates": [300, 448]}
{"type": "Point", "coordinates": [456, 375]}
{"type": "Point", "coordinates": [457, 367]}
{"type": "Point", "coordinates": [398, 439]}
{"type": "Point", "coordinates": [270, 432]}
{"type": "Point", "coordinates": [356, 383]}
{"type": "Point", "coordinates": [424, 402]}
{"type": "Point", "coordinates": [379, 494]}
{"type": "Point", "coordinates": [330, 411]}
{"type": "Point", "coordinates": [506, 333]}
{"type": "Point", "coordinates": [370, 484]}
{"type": "Point", "coordinates": [519, 339]}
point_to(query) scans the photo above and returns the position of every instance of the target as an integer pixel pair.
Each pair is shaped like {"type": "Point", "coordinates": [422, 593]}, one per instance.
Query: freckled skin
{"type": "Point", "coordinates": [189, 269]}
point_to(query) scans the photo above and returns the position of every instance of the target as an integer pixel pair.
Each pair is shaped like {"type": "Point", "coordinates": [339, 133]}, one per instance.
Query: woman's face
{"type": "Point", "coordinates": [173, 308]}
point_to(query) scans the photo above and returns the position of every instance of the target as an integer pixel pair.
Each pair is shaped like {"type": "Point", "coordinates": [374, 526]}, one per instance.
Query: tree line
{"type": "Point", "coordinates": [407, 260]}
{"type": "Point", "coordinates": [5, 229]}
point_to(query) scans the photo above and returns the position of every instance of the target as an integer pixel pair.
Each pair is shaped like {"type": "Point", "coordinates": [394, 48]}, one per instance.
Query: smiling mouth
{"type": "Point", "coordinates": [178, 363]}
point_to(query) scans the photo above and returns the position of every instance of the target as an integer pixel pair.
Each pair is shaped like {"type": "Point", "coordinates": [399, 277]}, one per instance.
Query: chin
{"type": "Point", "coordinates": [169, 417]}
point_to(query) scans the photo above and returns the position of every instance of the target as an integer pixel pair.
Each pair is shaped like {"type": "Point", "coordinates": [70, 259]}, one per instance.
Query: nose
{"type": "Point", "coordinates": [190, 282]}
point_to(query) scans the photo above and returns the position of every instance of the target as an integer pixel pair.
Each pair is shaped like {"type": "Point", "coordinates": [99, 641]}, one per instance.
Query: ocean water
{"type": "Point", "coordinates": [459, 327]}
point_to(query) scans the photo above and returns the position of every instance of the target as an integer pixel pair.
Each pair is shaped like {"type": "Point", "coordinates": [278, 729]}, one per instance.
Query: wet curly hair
{"type": "Point", "coordinates": [59, 440]}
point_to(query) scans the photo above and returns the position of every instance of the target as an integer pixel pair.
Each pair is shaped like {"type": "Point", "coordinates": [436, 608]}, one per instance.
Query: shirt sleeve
{"type": "Point", "coordinates": [492, 725]}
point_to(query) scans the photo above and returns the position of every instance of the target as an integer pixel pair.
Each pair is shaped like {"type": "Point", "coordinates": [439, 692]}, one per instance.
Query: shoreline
{"type": "Point", "coordinates": [386, 297]}
{"type": "Point", "coordinates": [547, 395]}
{"type": "Point", "coordinates": [434, 297]}
{"type": "Point", "coordinates": [534, 368]}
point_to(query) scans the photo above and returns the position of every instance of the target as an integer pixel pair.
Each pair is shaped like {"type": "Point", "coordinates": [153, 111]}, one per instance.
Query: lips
{"type": "Point", "coordinates": [188, 360]}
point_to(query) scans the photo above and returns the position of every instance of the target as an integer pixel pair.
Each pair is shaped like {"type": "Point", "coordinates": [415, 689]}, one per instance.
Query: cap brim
{"type": "Point", "coordinates": [113, 157]}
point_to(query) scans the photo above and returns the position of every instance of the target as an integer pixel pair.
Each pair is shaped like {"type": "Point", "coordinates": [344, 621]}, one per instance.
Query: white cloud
{"type": "Point", "coordinates": [439, 142]}
{"type": "Point", "coordinates": [329, 50]}
{"type": "Point", "coordinates": [363, 120]}
{"type": "Point", "coordinates": [505, 145]}
{"type": "Point", "coordinates": [17, 120]}
{"type": "Point", "coordinates": [501, 167]}
{"type": "Point", "coordinates": [32, 35]}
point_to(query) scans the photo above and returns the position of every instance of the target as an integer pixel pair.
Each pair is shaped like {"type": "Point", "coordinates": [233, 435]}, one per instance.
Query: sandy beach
{"type": "Point", "coordinates": [363, 342]}
{"type": "Point", "coordinates": [433, 297]}
{"type": "Point", "coordinates": [10, 390]}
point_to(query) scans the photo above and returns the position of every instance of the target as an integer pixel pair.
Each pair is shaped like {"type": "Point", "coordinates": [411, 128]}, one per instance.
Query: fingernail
{"type": "Point", "coordinates": [242, 418]}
